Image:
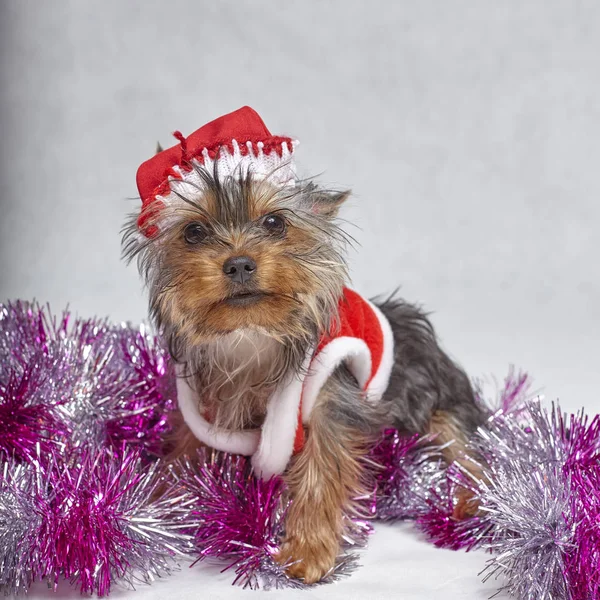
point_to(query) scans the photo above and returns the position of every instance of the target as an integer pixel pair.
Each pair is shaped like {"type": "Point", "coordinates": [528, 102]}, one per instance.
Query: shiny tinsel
{"type": "Point", "coordinates": [583, 561]}
{"type": "Point", "coordinates": [23, 488]}
{"type": "Point", "coordinates": [26, 423]}
{"type": "Point", "coordinates": [541, 497]}
{"type": "Point", "coordinates": [95, 519]}
{"type": "Point", "coordinates": [438, 520]}
{"type": "Point", "coordinates": [82, 381]}
{"type": "Point", "coordinates": [117, 398]}
{"type": "Point", "coordinates": [85, 495]}
{"type": "Point", "coordinates": [238, 518]}
{"type": "Point", "coordinates": [111, 518]}
{"type": "Point", "coordinates": [23, 335]}
{"type": "Point", "coordinates": [510, 398]}
{"type": "Point", "coordinates": [532, 532]}
{"type": "Point", "coordinates": [142, 420]}
{"type": "Point", "coordinates": [408, 471]}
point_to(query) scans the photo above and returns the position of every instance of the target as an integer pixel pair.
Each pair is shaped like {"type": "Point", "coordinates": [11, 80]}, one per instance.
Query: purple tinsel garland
{"type": "Point", "coordinates": [92, 518]}
{"type": "Point", "coordinates": [24, 425]}
{"type": "Point", "coordinates": [91, 383]}
{"type": "Point", "coordinates": [84, 494]}
{"type": "Point", "coordinates": [238, 517]}
{"type": "Point", "coordinates": [542, 503]}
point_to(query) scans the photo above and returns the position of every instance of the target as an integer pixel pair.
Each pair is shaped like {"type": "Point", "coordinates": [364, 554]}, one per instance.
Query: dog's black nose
{"type": "Point", "coordinates": [239, 268]}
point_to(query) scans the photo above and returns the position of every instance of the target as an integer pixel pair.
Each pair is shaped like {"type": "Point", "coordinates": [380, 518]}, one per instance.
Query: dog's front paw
{"type": "Point", "coordinates": [308, 560]}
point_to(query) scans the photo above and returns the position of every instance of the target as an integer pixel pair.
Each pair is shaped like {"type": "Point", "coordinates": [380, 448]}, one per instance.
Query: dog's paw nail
{"type": "Point", "coordinates": [305, 563]}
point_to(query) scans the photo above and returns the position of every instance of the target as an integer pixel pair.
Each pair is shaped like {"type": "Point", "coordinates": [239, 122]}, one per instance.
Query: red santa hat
{"type": "Point", "coordinates": [237, 142]}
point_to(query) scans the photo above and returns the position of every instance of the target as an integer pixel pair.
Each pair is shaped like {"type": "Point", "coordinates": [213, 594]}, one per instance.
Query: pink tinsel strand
{"type": "Point", "coordinates": [511, 398]}
{"type": "Point", "coordinates": [515, 393]}
{"type": "Point", "coordinates": [582, 561]}
{"type": "Point", "coordinates": [28, 426]}
{"type": "Point", "coordinates": [108, 518]}
{"type": "Point", "coordinates": [80, 535]}
{"type": "Point", "coordinates": [239, 518]}
{"type": "Point", "coordinates": [580, 436]}
{"type": "Point", "coordinates": [439, 522]}
{"type": "Point", "coordinates": [391, 454]}
{"type": "Point", "coordinates": [103, 384]}
{"type": "Point", "coordinates": [143, 413]}
{"type": "Point", "coordinates": [407, 470]}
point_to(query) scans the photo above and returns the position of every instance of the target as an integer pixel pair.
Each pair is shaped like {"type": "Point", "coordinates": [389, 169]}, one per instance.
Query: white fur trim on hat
{"type": "Point", "coordinates": [280, 170]}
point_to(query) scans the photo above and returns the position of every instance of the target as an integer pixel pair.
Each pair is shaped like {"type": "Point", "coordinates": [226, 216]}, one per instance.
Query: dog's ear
{"type": "Point", "coordinates": [328, 203]}
{"type": "Point", "coordinates": [159, 148]}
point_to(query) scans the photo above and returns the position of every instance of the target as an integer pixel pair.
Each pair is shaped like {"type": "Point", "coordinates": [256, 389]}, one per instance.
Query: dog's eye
{"type": "Point", "coordinates": [274, 223]}
{"type": "Point", "coordinates": [194, 233]}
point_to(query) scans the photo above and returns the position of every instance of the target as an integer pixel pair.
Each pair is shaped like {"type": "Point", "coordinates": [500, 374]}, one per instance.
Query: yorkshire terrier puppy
{"type": "Point", "coordinates": [276, 358]}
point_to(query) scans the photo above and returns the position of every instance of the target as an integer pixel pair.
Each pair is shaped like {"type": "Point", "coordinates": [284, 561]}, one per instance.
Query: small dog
{"type": "Point", "coordinates": [245, 265]}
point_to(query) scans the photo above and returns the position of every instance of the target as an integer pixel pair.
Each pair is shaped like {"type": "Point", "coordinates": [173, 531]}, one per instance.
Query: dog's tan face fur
{"type": "Point", "coordinates": [198, 302]}
{"type": "Point", "coordinates": [289, 234]}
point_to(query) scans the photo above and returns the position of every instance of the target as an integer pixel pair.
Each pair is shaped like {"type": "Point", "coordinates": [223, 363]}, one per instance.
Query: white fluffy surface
{"type": "Point", "coordinates": [469, 132]}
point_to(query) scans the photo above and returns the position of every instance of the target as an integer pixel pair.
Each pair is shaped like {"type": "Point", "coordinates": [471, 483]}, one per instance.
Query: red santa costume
{"type": "Point", "coordinates": [362, 337]}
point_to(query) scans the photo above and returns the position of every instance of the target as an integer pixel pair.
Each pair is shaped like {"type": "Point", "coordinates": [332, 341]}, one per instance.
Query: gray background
{"type": "Point", "coordinates": [469, 132]}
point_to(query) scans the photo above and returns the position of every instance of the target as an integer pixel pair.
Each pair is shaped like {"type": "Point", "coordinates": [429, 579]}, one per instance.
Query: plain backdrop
{"type": "Point", "coordinates": [468, 130]}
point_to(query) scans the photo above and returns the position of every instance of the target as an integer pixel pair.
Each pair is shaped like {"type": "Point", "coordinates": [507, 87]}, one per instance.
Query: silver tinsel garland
{"type": "Point", "coordinates": [85, 495]}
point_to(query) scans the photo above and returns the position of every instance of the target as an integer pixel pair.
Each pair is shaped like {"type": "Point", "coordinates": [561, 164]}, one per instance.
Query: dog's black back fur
{"type": "Point", "coordinates": [424, 378]}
